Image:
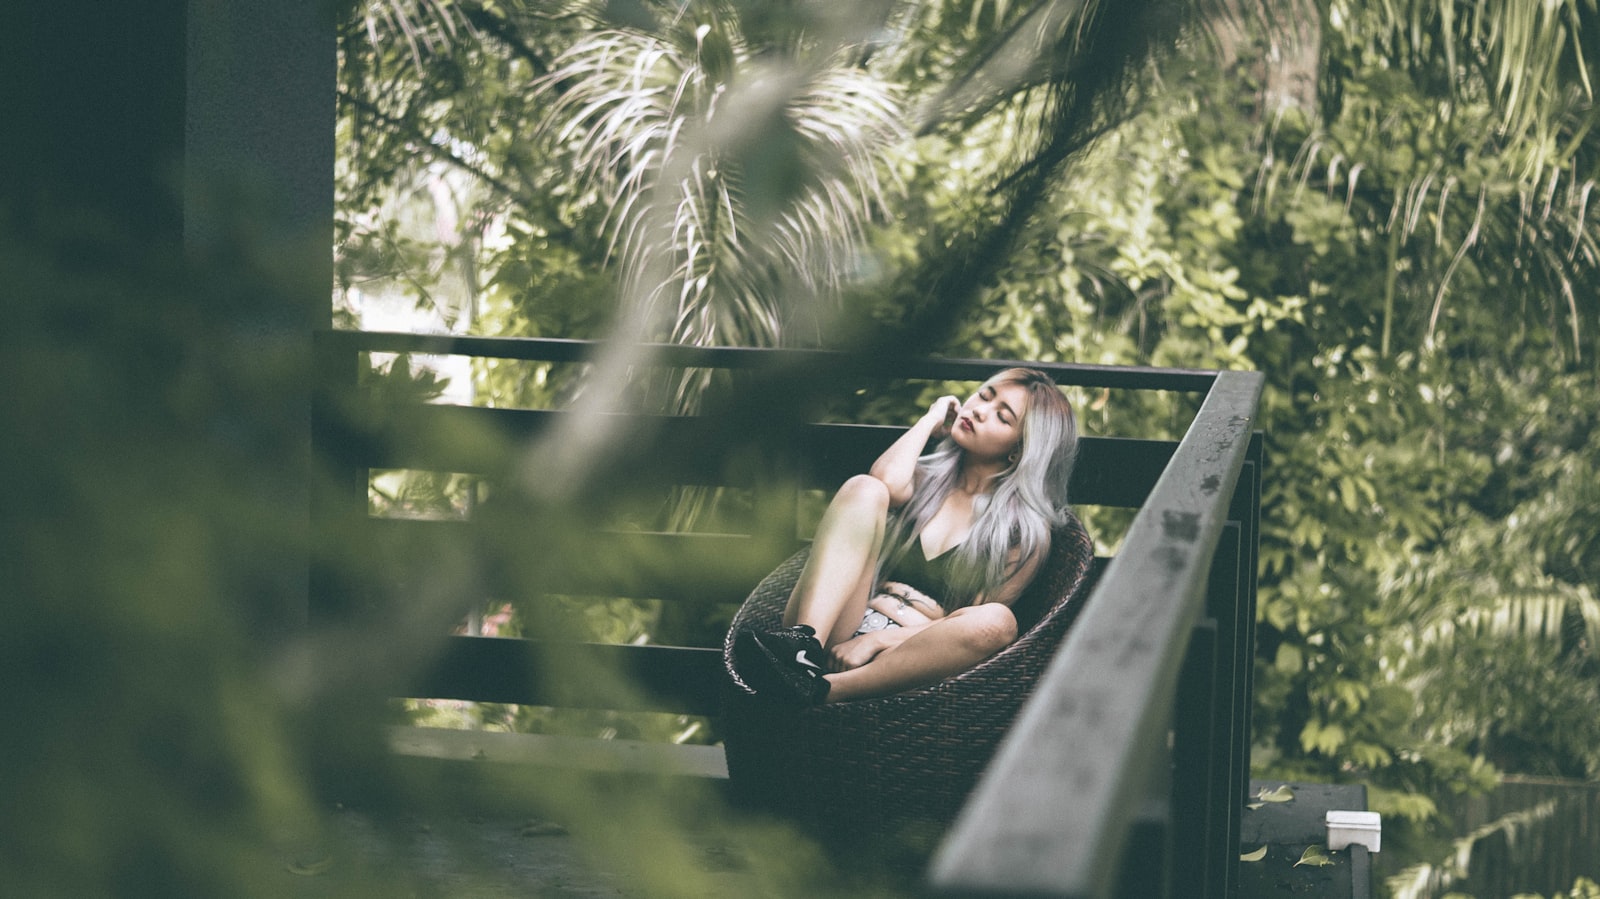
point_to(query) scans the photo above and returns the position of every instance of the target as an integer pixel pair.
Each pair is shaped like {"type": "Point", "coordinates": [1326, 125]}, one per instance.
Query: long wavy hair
{"type": "Point", "coordinates": [1027, 500]}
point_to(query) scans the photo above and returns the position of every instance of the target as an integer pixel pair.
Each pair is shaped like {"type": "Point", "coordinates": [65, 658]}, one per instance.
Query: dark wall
{"type": "Point", "coordinates": [259, 125]}
{"type": "Point", "coordinates": [91, 112]}
{"type": "Point", "coordinates": [164, 117]}
{"type": "Point", "coordinates": [166, 201]}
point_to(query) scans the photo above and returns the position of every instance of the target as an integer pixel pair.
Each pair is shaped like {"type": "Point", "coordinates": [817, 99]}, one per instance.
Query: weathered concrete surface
{"type": "Point", "coordinates": [473, 857]}
{"type": "Point", "coordinates": [460, 855]}
{"type": "Point", "coordinates": [1288, 829]}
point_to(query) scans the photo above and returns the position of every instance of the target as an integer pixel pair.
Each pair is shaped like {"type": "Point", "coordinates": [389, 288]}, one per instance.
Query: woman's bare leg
{"type": "Point", "coordinates": [831, 595]}
{"type": "Point", "coordinates": [946, 647]}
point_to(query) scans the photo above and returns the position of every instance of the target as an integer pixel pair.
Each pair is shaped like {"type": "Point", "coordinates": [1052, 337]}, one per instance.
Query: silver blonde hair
{"type": "Point", "coordinates": [1028, 499]}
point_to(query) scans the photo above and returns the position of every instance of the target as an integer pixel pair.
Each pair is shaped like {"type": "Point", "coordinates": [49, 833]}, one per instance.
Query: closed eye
{"type": "Point", "coordinates": [1005, 414]}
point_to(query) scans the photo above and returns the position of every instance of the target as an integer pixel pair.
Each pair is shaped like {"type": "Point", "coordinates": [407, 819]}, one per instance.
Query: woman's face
{"type": "Point", "coordinates": [989, 426]}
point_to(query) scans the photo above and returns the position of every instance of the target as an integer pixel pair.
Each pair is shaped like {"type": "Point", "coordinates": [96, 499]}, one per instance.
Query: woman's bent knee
{"type": "Point", "coordinates": [864, 491]}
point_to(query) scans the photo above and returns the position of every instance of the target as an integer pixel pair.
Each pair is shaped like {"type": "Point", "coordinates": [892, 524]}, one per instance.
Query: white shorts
{"type": "Point", "coordinates": [874, 620]}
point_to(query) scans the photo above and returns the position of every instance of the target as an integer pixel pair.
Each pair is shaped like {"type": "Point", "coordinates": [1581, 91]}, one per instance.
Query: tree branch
{"type": "Point", "coordinates": [404, 128]}
{"type": "Point", "coordinates": [501, 29]}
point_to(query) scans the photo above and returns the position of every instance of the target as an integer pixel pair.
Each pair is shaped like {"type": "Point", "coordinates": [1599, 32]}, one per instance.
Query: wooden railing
{"type": "Point", "coordinates": [1129, 761]}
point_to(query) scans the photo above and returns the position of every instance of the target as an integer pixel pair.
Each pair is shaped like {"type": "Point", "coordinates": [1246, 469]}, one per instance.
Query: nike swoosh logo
{"type": "Point", "coordinates": [801, 658]}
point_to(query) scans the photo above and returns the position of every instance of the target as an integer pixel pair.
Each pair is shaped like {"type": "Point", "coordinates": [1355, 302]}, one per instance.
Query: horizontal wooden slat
{"type": "Point", "coordinates": [574, 675]}
{"type": "Point", "coordinates": [834, 364]}
{"type": "Point", "coordinates": [678, 567]}
{"type": "Point", "coordinates": [681, 680]}
{"type": "Point", "coordinates": [707, 568]}
{"type": "Point", "coordinates": [1111, 471]}
{"type": "Point", "coordinates": [1118, 471]}
{"type": "Point", "coordinates": [478, 440]}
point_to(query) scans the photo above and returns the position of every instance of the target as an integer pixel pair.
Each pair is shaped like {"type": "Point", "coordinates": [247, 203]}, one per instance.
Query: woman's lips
{"type": "Point", "coordinates": [964, 423]}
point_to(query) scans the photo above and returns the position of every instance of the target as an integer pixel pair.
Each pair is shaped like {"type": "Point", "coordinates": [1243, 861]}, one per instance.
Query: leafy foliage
{"type": "Point", "coordinates": [1409, 255]}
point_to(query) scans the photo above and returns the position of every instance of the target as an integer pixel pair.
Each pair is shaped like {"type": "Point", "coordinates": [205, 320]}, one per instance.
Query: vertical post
{"type": "Point", "coordinates": [338, 483]}
{"type": "Point", "coordinates": [121, 123]}
{"type": "Point", "coordinates": [255, 188]}
{"type": "Point", "coordinates": [1195, 762]}
{"type": "Point", "coordinates": [1231, 596]}
{"type": "Point", "coordinates": [1151, 853]}
{"type": "Point", "coordinates": [1247, 511]}
{"type": "Point", "coordinates": [1230, 760]}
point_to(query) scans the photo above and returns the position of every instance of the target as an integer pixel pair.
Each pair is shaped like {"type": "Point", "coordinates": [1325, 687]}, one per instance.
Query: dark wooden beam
{"type": "Point", "coordinates": [832, 363]}
{"type": "Point", "coordinates": [573, 675]}
{"type": "Point", "coordinates": [1111, 471]}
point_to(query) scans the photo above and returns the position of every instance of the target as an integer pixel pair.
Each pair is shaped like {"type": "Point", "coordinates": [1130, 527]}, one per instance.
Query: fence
{"type": "Point", "coordinates": [1128, 764]}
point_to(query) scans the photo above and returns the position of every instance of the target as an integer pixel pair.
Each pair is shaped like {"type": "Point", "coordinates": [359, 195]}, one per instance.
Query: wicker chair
{"type": "Point", "coordinates": [894, 770]}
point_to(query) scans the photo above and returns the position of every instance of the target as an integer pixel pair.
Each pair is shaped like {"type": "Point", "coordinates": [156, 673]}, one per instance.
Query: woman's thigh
{"type": "Point", "coordinates": [841, 572]}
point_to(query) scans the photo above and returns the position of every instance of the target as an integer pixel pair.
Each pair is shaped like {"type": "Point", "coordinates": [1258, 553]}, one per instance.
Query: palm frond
{"type": "Point", "coordinates": [1438, 604]}
{"type": "Point", "coordinates": [426, 26]}
{"type": "Point", "coordinates": [1463, 213]}
{"type": "Point", "coordinates": [1426, 879]}
{"type": "Point", "coordinates": [1533, 614]}
{"type": "Point", "coordinates": [1458, 123]}
{"type": "Point", "coordinates": [1040, 42]}
{"type": "Point", "coordinates": [671, 137]}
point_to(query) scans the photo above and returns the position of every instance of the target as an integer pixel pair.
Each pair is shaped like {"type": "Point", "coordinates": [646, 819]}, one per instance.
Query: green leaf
{"type": "Point", "coordinates": [1255, 856]}
{"type": "Point", "coordinates": [1315, 856]}
{"type": "Point", "coordinates": [1290, 660]}
{"type": "Point", "coordinates": [1327, 739]}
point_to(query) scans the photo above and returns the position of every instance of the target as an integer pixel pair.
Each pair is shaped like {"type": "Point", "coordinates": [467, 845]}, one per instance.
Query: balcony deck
{"type": "Point", "coordinates": [1140, 725]}
{"type": "Point", "coordinates": [486, 838]}
{"type": "Point", "coordinates": [470, 847]}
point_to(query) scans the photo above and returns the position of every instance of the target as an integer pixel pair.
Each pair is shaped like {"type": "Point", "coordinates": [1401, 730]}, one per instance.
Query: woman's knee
{"type": "Point", "coordinates": [987, 628]}
{"type": "Point", "coordinates": [863, 491]}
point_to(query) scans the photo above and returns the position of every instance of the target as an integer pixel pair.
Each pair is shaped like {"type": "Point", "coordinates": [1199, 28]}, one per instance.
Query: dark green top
{"type": "Point", "coordinates": [931, 576]}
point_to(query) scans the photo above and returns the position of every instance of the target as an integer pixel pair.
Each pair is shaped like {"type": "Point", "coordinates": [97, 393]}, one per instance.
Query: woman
{"type": "Point", "coordinates": [914, 566]}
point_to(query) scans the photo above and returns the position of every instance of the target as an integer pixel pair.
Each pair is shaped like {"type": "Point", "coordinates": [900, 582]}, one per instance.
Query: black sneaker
{"type": "Point", "coordinates": [783, 665]}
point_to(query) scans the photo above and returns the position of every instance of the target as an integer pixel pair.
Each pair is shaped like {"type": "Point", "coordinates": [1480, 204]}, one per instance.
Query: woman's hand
{"type": "Point", "coordinates": [943, 412]}
{"type": "Point", "coordinates": [856, 651]}
{"type": "Point", "coordinates": [905, 604]}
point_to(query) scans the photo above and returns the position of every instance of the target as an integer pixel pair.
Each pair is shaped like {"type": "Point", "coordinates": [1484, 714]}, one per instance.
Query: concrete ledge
{"type": "Point", "coordinates": [1286, 829]}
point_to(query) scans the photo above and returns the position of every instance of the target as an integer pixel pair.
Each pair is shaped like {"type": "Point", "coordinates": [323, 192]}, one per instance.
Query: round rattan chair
{"type": "Point", "coordinates": [894, 770]}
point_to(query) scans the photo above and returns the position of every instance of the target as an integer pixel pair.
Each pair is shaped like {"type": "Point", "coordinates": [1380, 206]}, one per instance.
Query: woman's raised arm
{"type": "Point", "coordinates": [897, 467]}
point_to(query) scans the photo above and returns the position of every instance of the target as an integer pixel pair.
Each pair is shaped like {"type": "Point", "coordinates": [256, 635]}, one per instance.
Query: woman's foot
{"type": "Point", "coordinates": [784, 666]}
